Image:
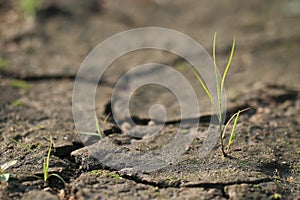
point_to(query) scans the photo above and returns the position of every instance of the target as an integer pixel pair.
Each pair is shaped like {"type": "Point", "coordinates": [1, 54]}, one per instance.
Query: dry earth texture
{"type": "Point", "coordinates": [41, 52]}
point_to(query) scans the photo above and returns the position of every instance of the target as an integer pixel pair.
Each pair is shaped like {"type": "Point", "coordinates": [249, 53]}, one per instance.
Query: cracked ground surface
{"type": "Point", "coordinates": [39, 60]}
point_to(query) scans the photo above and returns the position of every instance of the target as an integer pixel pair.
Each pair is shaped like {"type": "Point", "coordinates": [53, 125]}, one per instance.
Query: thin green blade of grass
{"type": "Point", "coordinates": [229, 63]}
{"type": "Point", "coordinates": [46, 164]}
{"type": "Point", "coordinates": [232, 134]}
{"type": "Point", "coordinates": [24, 146]}
{"type": "Point", "coordinates": [105, 120]}
{"type": "Point", "coordinates": [89, 133]}
{"type": "Point", "coordinates": [45, 169]}
{"type": "Point", "coordinates": [205, 89]}
{"type": "Point", "coordinates": [47, 160]}
{"type": "Point", "coordinates": [20, 84]}
{"type": "Point", "coordinates": [98, 128]}
{"type": "Point", "coordinates": [219, 99]}
{"type": "Point", "coordinates": [103, 124]}
{"type": "Point", "coordinates": [214, 49]}
{"type": "Point", "coordinates": [230, 120]}
{"type": "Point", "coordinates": [58, 176]}
{"type": "Point", "coordinates": [100, 131]}
{"type": "Point", "coordinates": [33, 176]}
{"type": "Point", "coordinates": [217, 79]}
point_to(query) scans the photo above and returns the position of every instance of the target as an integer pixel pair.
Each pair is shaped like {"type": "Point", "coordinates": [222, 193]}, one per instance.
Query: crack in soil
{"type": "Point", "coordinates": [207, 185]}
{"type": "Point", "coordinates": [37, 78]}
{"type": "Point", "coordinates": [222, 185]}
{"type": "Point", "coordinates": [33, 78]}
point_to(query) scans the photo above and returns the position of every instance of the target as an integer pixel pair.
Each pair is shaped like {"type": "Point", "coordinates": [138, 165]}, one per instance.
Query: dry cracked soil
{"type": "Point", "coordinates": [39, 58]}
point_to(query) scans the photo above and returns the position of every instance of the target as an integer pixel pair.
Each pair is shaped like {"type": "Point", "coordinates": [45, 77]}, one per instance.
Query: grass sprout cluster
{"type": "Point", "coordinates": [100, 130]}
{"type": "Point", "coordinates": [46, 165]}
{"type": "Point", "coordinates": [46, 174]}
{"type": "Point", "coordinates": [218, 105]}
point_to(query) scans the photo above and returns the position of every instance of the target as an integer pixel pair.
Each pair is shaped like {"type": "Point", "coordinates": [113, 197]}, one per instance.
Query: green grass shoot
{"type": "Point", "coordinates": [232, 135]}
{"type": "Point", "coordinates": [100, 130]}
{"type": "Point", "coordinates": [219, 89]}
{"type": "Point", "coordinates": [20, 84]}
{"type": "Point", "coordinates": [205, 89]}
{"type": "Point", "coordinates": [24, 146]}
{"type": "Point", "coordinates": [29, 7]}
{"type": "Point", "coordinates": [46, 165]}
{"type": "Point", "coordinates": [220, 81]}
{"type": "Point", "coordinates": [229, 63]}
{"type": "Point", "coordinates": [3, 63]}
{"type": "Point", "coordinates": [17, 103]}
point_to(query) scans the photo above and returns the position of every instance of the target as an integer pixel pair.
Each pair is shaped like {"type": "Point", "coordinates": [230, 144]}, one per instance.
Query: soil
{"type": "Point", "coordinates": [39, 59]}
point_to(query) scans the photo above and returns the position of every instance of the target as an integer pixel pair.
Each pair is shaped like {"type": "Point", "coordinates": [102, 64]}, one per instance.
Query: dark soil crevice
{"type": "Point", "coordinates": [178, 184]}
{"type": "Point", "coordinates": [35, 78]}
{"type": "Point", "coordinates": [50, 12]}
{"type": "Point", "coordinates": [65, 151]}
{"type": "Point", "coordinates": [72, 169]}
{"type": "Point", "coordinates": [138, 180]}
{"type": "Point", "coordinates": [224, 193]}
{"type": "Point", "coordinates": [222, 185]}
{"type": "Point", "coordinates": [39, 78]}
{"type": "Point", "coordinates": [271, 168]}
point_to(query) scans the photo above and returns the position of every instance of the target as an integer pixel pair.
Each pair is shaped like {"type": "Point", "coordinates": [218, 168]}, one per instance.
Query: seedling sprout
{"type": "Point", "coordinates": [46, 165]}
{"type": "Point", "coordinates": [219, 107]}
{"type": "Point", "coordinates": [100, 130]}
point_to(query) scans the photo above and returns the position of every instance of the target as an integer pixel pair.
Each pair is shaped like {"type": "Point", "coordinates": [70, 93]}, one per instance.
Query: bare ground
{"type": "Point", "coordinates": [39, 60]}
